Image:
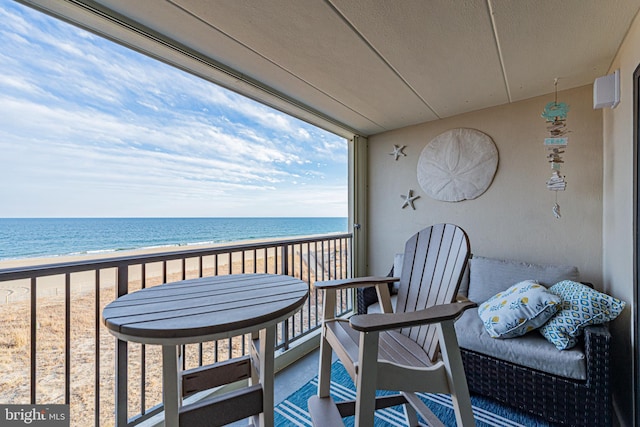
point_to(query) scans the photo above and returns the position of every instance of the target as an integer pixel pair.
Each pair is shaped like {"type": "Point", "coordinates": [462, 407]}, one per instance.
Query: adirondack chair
{"type": "Point", "coordinates": [412, 350]}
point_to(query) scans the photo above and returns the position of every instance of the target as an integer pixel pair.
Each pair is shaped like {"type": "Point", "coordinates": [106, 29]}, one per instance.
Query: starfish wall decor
{"type": "Point", "coordinates": [408, 200]}
{"type": "Point", "coordinates": [397, 151]}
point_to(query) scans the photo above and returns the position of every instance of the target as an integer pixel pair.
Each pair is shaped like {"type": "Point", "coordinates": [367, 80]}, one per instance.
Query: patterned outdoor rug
{"type": "Point", "coordinates": [293, 410]}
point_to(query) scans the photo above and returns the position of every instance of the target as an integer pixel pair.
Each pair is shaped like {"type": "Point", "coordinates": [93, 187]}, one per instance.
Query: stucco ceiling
{"type": "Point", "coordinates": [368, 66]}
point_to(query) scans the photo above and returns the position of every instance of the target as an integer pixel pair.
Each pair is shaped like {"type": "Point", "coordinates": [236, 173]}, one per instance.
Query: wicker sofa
{"type": "Point", "coordinates": [570, 387]}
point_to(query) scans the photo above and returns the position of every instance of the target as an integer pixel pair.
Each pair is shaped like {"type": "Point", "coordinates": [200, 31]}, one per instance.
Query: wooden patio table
{"type": "Point", "coordinates": [207, 309]}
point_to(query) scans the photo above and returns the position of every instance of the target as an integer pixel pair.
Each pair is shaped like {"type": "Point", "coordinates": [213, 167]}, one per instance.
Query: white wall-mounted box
{"type": "Point", "coordinates": [606, 91]}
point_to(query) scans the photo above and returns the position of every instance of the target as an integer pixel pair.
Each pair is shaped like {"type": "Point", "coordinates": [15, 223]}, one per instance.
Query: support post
{"type": "Point", "coordinates": [455, 374]}
{"type": "Point", "coordinates": [367, 379]}
{"type": "Point", "coordinates": [171, 384]}
{"type": "Point", "coordinates": [266, 375]}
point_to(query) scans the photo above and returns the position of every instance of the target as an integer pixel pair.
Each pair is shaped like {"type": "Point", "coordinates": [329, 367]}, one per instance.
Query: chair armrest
{"type": "Point", "coordinates": [597, 351]}
{"type": "Point", "coordinates": [356, 282]}
{"type": "Point", "coordinates": [600, 331]}
{"type": "Point", "coordinates": [597, 341]}
{"type": "Point", "coordinates": [435, 314]}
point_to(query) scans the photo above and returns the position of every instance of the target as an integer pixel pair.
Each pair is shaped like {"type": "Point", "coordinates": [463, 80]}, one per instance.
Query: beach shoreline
{"type": "Point", "coordinates": [58, 259]}
{"type": "Point", "coordinates": [82, 282]}
{"type": "Point", "coordinates": [19, 290]}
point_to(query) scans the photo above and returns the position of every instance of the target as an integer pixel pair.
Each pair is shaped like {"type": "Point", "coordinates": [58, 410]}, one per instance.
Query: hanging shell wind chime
{"type": "Point", "coordinates": [555, 113]}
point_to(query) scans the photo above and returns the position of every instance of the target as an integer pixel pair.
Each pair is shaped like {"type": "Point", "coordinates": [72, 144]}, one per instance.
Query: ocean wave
{"type": "Point", "coordinates": [97, 251]}
{"type": "Point", "coordinates": [209, 242]}
{"type": "Point", "coordinates": [130, 248]}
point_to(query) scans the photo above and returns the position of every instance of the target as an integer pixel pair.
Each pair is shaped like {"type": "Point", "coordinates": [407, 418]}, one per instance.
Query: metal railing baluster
{"type": "Point", "coordinates": [308, 280]}
{"type": "Point", "coordinates": [266, 260]}
{"type": "Point", "coordinates": [121, 356]}
{"type": "Point", "coordinates": [143, 351]}
{"type": "Point", "coordinates": [32, 343]}
{"type": "Point", "coordinates": [255, 261]}
{"type": "Point", "coordinates": [96, 384]}
{"type": "Point", "coordinates": [67, 338]}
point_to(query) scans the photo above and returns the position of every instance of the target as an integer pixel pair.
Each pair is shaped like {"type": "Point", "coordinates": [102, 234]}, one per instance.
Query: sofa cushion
{"type": "Point", "coordinates": [464, 282]}
{"type": "Point", "coordinates": [531, 350]}
{"type": "Point", "coordinates": [581, 306]}
{"type": "Point", "coordinates": [375, 307]}
{"type": "Point", "coordinates": [398, 260]}
{"type": "Point", "coordinates": [488, 276]}
{"type": "Point", "coordinates": [522, 308]}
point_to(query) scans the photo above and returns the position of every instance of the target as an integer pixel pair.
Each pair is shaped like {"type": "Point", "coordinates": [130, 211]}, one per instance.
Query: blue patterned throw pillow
{"type": "Point", "coordinates": [581, 306]}
{"type": "Point", "coordinates": [520, 309]}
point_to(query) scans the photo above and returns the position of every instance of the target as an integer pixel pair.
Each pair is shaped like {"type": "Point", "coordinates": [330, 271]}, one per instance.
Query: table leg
{"type": "Point", "coordinates": [171, 384]}
{"type": "Point", "coordinates": [255, 358]}
{"type": "Point", "coordinates": [266, 374]}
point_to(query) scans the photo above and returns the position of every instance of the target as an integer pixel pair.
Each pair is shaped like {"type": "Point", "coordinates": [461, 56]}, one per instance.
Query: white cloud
{"type": "Point", "coordinates": [20, 84]}
{"type": "Point", "coordinates": [13, 22]}
{"type": "Point", "coordinates": [89, 128]}
{"type": "Point", "coordinates": [304, 134]}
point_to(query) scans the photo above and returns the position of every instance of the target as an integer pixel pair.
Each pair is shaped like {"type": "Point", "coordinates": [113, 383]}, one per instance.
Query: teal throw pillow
{"type": "Point", "coordinates": [522, 308]}
{"type": "Point", "coordinates": [581, 306]}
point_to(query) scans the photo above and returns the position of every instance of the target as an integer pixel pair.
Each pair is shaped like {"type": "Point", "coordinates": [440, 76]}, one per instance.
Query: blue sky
{"type": "Point", "coordinates": [91, 129]}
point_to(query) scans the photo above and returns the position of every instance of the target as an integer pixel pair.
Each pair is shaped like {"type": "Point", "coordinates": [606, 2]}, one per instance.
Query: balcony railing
{"type": "Point", "coordinates": [55, 349]}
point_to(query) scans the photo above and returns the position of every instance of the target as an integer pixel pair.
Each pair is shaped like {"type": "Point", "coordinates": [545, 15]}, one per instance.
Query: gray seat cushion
{"type": "Point", "coordinates": [530, 350]}
{"type": "Point", "coordinates": [488, 276]}
{"type": "Point", "coordinates": [375, 307]}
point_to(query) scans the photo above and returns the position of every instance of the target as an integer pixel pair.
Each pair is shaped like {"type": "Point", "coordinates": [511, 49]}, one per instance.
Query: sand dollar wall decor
{"type": "Point", "coordinates": [457, 165]}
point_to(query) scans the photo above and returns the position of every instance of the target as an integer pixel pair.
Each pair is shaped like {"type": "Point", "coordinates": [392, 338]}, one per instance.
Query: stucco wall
{"type": "Point", "coordinates": [618, 206]}
{"type": "Point", "coordinates": [513, 218]}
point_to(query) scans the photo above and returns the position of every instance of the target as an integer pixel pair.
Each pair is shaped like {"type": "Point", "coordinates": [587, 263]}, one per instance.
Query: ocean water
{"type": "Point", "coordinates": [45, 237]}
